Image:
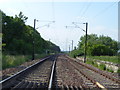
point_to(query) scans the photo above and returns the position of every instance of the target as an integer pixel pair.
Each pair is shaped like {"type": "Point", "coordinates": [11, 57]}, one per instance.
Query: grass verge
{"type": "Point", "coordinates": [101, 66]}
{"type": "Point", "coordinates": [113, 59]}
{"type": "Point", "coordinates": [12, 61]}
{"type": "Point", "coordinates": [9, 61]}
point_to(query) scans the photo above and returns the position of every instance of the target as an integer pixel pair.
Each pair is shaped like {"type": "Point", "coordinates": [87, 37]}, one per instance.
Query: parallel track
{"type": "Point", "coordinates": [42, 75]}
{"type": "Point", "coordinates": [39, 75]}
{"type": "Point", "coordinates": [102, 80]}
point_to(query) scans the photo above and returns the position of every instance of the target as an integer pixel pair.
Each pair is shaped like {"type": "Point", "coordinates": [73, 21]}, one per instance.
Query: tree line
{"type": "Point", "coordinates": [17, 37]}
{"type": "Point", "coordinates": [96, 46]}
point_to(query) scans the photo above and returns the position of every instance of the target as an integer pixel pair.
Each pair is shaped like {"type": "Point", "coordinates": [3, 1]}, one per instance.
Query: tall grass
{"type": "Point", "coordinates": [12, 61]}
{"type": "Point", "coordinates": [113, 59]}
{"type": "Point", "coordinates": [91, 62]}
{"type": "Point", "coordinates": [16, 60]}
{"type": "Point", "coordinates": [101, 66]}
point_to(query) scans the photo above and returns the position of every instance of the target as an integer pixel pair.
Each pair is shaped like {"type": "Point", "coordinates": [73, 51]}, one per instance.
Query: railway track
{"type": "Point", "coordinates": [39, 75]}
{"type": "Point", "coordinates": [69, 78]}
{"type": "Point", "coordinates": [59, 72]}
{"type": "Point", "coordinates": [97, 77]}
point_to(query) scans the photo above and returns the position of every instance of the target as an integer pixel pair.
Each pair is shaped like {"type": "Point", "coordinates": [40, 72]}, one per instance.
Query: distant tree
{"type": "Point", "coordinates": [21, 17]}
{"type": "Point", "coordinates": [99, 49]}
{"type": "Point", "coordinates": [102, 45]}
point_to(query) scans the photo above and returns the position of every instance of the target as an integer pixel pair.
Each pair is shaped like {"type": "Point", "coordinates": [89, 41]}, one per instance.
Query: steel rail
{"type": "Point", "coordinates": [102, 73]}
{"type": "Point", "coordinates": [51, 75]}
{"type": "Point", "coordinates": [90, 78]}
{"type": "Point", "coordinates": [20, 72]}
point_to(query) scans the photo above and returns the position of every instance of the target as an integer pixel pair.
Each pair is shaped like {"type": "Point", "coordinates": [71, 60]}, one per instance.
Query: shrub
{"type": "Point", "coordinates": [76, 53]}
{"type": "Point", "coordinates": [109, 70]}
{"type": "Point", "coordinates": [90, 62]}
{"type": "Point", "coordinates": [102, 66]}
{"type": "Point", "coordinates": [95, 64]}
{"type": "Point", "coordinates": [99, 49]}
{"type": "Point", "coordinates": [118, 70]}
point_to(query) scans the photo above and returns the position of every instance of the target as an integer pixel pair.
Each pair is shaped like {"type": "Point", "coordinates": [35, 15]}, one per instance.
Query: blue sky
{"type": "Point", "coordinates": [102, 18]}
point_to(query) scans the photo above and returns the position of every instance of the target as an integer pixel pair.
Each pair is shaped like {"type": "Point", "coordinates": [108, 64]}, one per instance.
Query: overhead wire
{"type": "Point", "coordinates": [53, 10]}
{"type": "Point", "coordinates": [84, 8]}
{"type": "Point", "coordinates": [53, 17]}
{"type": "Point", "coordinates": [87, 7]}
{"type": "Point", "coordinates": [84, 11]}
{"type": "Point", "coordinates": [105, 9]}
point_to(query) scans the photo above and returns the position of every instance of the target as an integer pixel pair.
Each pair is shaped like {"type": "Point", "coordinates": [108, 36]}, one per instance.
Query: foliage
{"type": "Point", "coordinates": [11, 61]}
{"type": "Point", "coordinates": [109, 70]}
{"type": "Point", "coordinates": [118, 71]}
{"type": "Point", "coordinates": [102, 67]}
{"type": "Point", "coordinates": [102, 45]}
{"type": "Point", "coordinates": [91, 62]}
{"type": "Point", "coordinates": [75, 53]}
{"type": "Point", "coordinates": [98, 50]}
{"type": "Point", "coordinates": [16, 60]}
{"type": "Point", "coordinates": [113, 59]}
{"type": "Point", "coordinates": [18, 37]}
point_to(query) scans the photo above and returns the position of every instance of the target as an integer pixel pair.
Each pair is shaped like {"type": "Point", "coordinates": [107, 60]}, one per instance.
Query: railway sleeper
{"type": "Point", "coordinates": [11, 84]}
{"type": "Point", "coordinates": [24, 85]}
{"type": "Point", "coordinates": [43, 85]}
{"type": "Point", "coordinates": [18, 85]}
{"type": "Point", "coordinates": [35, 85]}
{"type": "Point", "coordinates": [30, 85]}
{"type": "Point", "coordinates": [69, 87]}
{"type": "Point", "coordinates": [100, 72]}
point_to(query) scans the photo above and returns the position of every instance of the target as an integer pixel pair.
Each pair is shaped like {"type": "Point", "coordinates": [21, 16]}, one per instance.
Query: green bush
{"type": "Point", "coordinates": [76, 53]}
{"type": "Point", "coordinates": [109, 70]}
{"type": "Point", "coordinates": [90, 62]}
{"type": "Point", "coordinates": [99, 49]}
{"type": "Point", "coordinates": [118, 70]}
{"type": "Point", "coordinates": [95, 64]}
{"type": "Point", "coordinates": [102, 66]}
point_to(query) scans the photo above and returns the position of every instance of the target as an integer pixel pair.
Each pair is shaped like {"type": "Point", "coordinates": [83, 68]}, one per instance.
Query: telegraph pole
{"type": "Point", "coordinates": [33, 43]}
{"type": "Point", "coordinates": [76, 26]}
{"type": "Point", "coordinates": [33, 52]}
{"type": "Point", "coordinates": [85, 42]}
